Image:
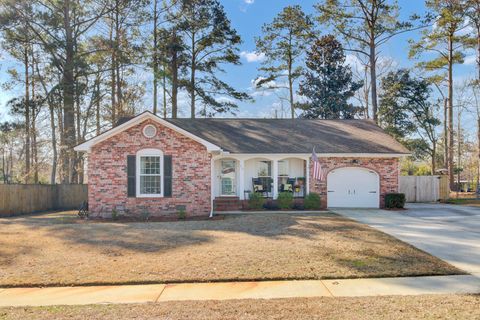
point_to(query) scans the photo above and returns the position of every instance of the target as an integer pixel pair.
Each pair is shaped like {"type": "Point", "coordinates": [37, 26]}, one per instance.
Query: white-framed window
{"type": "Point", "coordinates": [149, 173]}
{"type": "Point", "coordinates": [264, 169]}
{"type": "Point", "coordinates": [283, 168]}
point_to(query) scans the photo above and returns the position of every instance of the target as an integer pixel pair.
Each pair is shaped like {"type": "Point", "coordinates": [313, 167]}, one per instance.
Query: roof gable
{"type": "Point", "coordinates": [87, 145]}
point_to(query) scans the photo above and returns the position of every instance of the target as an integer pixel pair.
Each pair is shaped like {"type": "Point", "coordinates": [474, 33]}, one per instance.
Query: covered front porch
{"type": "Point", "coordinates": [267, 175]}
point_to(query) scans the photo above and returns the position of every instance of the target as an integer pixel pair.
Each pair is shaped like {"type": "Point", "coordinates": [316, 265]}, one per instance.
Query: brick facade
{"type": "Point", "coordinates": [387, 169]}
{"type": "Point", "coordinates": [107, 173]}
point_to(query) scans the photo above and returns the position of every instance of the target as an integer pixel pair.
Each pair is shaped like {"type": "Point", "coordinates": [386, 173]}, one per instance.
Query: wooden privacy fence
{"type": "Point", "coordinates": [28, 198]}
{"type": "Point", "coordinates": [424, 188]}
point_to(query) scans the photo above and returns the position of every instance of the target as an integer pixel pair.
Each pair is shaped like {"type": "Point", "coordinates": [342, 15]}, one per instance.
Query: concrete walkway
{"type": "Point", "coordinates": [449, 232]}
{"type": "Point", "coordinates": [237, 290]}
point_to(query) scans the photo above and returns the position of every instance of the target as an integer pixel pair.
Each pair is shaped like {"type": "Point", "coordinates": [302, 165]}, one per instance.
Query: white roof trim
{"type": "Point", "coordinates": [281, 156]}
{"type": "Point", "coordinates": [87, 146]}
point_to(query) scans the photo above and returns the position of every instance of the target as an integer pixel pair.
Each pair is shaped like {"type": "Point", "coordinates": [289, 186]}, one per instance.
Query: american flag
{"type": "Point", "coordinates": [318, 172]}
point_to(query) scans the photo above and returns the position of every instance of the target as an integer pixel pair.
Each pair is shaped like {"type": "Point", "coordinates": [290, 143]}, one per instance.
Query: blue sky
{"type": "Point", "coordinates": [247, 16]}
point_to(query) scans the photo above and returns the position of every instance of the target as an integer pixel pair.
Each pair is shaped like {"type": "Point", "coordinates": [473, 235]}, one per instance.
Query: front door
{"type": "Point", "coordinates": [227, 178]}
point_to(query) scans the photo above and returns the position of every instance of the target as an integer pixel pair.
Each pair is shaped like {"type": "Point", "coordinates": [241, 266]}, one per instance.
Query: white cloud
{"type": "Point", "coordinates": [249, 1]}
{"type": "Point", "coordinates": [252, 56]}
{"type": "Point", "coordinates": [472, 59]}
{"type": "Point", "coordinates": [354, 62]}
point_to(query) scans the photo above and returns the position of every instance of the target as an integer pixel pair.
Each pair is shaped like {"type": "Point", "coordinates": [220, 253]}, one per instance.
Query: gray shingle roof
{"type": "Point", "coordinates": [293, 136]}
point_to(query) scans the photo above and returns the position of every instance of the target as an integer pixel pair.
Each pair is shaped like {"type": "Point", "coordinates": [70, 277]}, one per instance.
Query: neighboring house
{"type": "Point", "coordinates": [154, 164]}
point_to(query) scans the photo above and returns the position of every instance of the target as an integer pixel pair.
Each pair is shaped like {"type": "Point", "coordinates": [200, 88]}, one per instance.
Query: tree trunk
{"type": "Point", "coordinates": [155, 56]}
{"type": "Point", "coordinates": [478, 154]}
{"type": "Point", "coordinates": [34, 123]}
{"type": "Point", "coordinates": [192, 79]}
{"type": "Point", "coordinates": [445, 133]}
{"type": "Point", "coordinates": [164, 87]}
{"type": "Point", "coordinates": [118, 39]}
{"type": "Point", "coordinates": [459, 145]}
{"type": "Point", "coordinates": [53, 175]}
{"type": "Point", "coordinates": [373, 80]}
{"type": "Point", "coordinates": [97, 105]}
{"type": "Point", "coordinates": [113, 85]}
{"type": "Point", "coordinates": [477, 25]}
{"type": "Point", "coordinates": [450, 112]}
{"type": "Point", "coordinates": [4, 175]}
{"type": "Point", "coordinates": [434, 156]}
{"type": "Point", "coordinates": [174, 71]}
{"type": "Point", "coordinates": [365, 95]}
{"type": "Point", "coordinates": [68, 86]}
{"type": "Point", "coordinates": [290, 85]}
{"type": "Point", "coordinates": [27, 115]}
{"type": "Point", "coordinates": [34, 147]}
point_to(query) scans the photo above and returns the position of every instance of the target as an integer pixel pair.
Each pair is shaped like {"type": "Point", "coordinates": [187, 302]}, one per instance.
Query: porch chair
{"type": "Point", "coordinates": [288, 187]}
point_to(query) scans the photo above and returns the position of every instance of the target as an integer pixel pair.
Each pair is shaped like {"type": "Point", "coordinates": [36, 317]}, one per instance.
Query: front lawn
{"type": "Point", "coordinates": [387, 308]}
{"type": "Point", "coordinates": [58, 249]}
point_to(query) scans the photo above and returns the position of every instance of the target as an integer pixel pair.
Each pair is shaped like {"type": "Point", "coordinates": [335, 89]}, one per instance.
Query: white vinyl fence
{"type": "Point", "coordinates": [424, 188]}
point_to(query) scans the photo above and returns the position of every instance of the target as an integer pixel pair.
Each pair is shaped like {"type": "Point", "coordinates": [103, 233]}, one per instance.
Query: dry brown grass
{"type": "Point", "coordinates": [392, 308]}
{"type": "Point", "coordinates": [54, 249]}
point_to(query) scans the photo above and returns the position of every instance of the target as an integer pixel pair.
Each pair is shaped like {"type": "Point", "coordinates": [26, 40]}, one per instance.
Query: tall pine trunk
{"type": "Point", "coordinates": [174, 71]}
{"type": "Point", "coordinates": [97, 105]}
{"type": "Point", "coordinates": [434, 156]}
{"type": "Point", "coordinates": [117, 48]}
{"type": "Point", "coordinates": [290, 80]}
{"type": "Point", "coordinates": [155, 57]}
{"type": "Point", "coordinates": [373, 80]}
{"type": "Point", "coordinates": [27, 114]}
{"type": "Point", "coordinates": [164, 87]}
{"type": "Point", "coordinates": [53, 175]}
{"type": "Point", "coordinates": [290, 86]}
{"type": "Point", "coordinates": [113, 85]}
{"type": "Point", "coordinates": [192, 79]}
{"type": "Point", "coordinates": [68, 86]}
{"type": "Point", "coordinates": [478, 154]}
{"type": "Point", "coordinates": [445, 133]}
{"type": "Point", "coordinates": [450, 112]}
{"type": "Point", "coordinates": [34, 122]}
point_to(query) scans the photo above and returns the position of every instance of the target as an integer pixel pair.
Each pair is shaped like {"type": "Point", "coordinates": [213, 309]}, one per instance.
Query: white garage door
{"type": "Point", "coordinates": [353, 188]}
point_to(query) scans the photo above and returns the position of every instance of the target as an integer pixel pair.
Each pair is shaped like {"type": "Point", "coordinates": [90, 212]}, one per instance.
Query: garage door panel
{"type": "Point", "coordinates": [353, 188]}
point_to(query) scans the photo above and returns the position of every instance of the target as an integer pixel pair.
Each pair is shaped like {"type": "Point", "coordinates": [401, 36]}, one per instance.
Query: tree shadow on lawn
{"type": "Point", "coordinates": [151, 237]}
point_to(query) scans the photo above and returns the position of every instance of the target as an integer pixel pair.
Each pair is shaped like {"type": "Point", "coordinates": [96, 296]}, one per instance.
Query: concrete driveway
{"type": "Point", "coordinates": [449, 232]}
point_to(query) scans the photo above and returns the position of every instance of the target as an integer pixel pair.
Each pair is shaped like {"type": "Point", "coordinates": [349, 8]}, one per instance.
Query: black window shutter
{"type": "Point", "coordinates": [167, 176]}
{"type": "Point", "coordinates": [131, 174]}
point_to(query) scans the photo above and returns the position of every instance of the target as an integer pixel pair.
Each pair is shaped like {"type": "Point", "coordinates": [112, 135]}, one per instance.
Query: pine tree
{"type": "Point", "coordinates": [365, 25]}
{"type": "Point", "coordinates": [445, 41]}
{"type": "Point", "coordinates": [328, 83]}
{"type": "Point", "coordinates": [283, 43]}
{"type": "Point", "coordinates": [209, 42]}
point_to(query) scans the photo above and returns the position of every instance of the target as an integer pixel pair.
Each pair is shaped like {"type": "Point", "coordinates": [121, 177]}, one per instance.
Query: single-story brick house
{"type": "Point", "coordinates": [155, 164]}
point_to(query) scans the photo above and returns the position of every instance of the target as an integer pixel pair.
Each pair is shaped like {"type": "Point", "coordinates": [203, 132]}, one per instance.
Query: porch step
{"type": "Point", "coordinates": [227, 204]}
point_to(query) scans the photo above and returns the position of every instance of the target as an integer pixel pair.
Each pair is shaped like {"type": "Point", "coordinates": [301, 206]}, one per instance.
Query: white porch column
{"type": "Point", "coordinates": [307, 175]}
{"type": "Point", "coordinates": [241, 179]}
{"type": "Point", "coordinates": [275, 178]}
{"type": "Point", "coordinates": [212, 181]}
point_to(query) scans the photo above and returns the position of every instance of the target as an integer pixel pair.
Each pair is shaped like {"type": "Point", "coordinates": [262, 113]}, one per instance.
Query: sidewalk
{"type": "Point", "coordinates": [238, 290]}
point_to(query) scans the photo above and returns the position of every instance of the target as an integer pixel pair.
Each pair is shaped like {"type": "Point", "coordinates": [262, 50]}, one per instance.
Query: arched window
{"type": "Point", "coordinates": [149, 173]}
